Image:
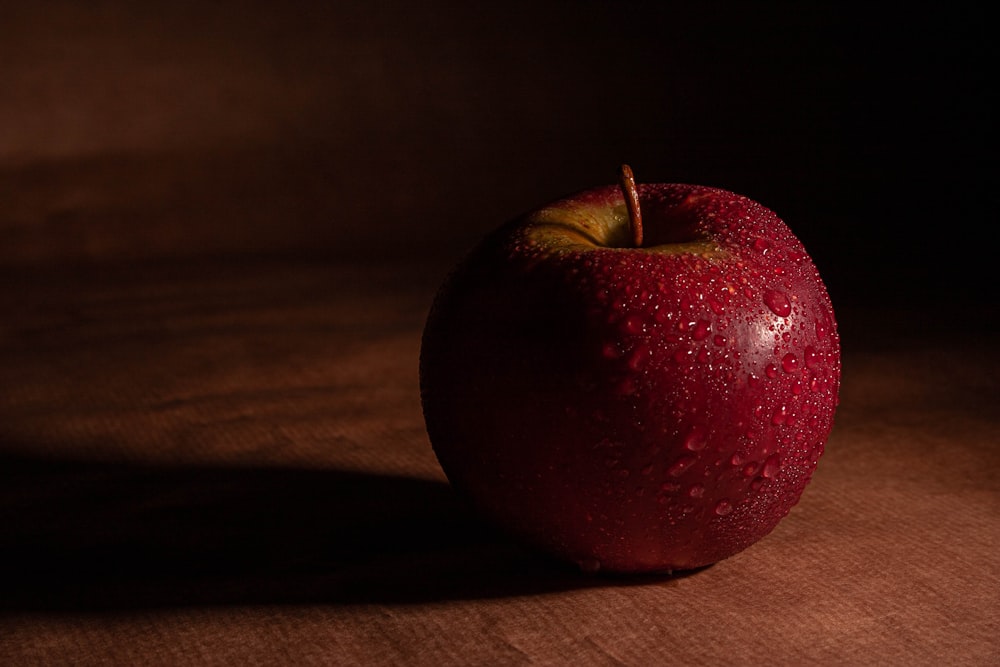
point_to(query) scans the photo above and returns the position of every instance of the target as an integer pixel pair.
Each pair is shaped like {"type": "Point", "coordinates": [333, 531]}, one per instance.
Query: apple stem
{"type": "Point", "coordinates": [631, 194]}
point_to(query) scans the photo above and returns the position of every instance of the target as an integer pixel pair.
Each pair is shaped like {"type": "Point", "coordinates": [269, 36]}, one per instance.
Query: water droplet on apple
{"type": "Point", "coordinates": [821, 329]}
{"type": "Point", "coordinates": [638, 358]}
{"type": "Point", "coordinates": [720, 340]}
{"type": "Point", "coordinates": [723, 508]}
{"type": "Point", "coordinates": [701, 330]}
{"type": "Point", "coordinates": [679, 466]}
{"type": "Point", "coordinates": [780, 416]}
{"type": "Point", "coordinates": [626, 387]}
{"type": "Point", "coordinates": [736, 460]}
{"type": "Point", "coordinates": [633, 324]}
{"type": "Point", "coordinates": [696, 439]}
{"type": "Point", "coordinates": [696, 490]}
{"type": "Point", "coordinates": [771, 466]}
{"type": "Point", "coordinates": [778, 303]}
{"type": "Point", "coordinates": [761, 245]}
{"type": "Point", "coordinates": [771, 371]}
{"type": "Point", "coordinates": [750, 469]}
{"type": "Point", "coordinates": [670, 487]}
{"type": "Point", "coordinates": [790, 363]}
{"type": "Point", "coordinates": [811, 357]}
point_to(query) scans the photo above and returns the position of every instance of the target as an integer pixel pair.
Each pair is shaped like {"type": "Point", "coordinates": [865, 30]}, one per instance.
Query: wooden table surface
{"type": "Point", "coordinates": [221, 227]}
{"type": "Point", "coordinates": [225, 463]}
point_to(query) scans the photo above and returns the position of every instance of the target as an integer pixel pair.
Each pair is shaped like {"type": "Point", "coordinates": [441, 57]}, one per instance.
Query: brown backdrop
{"type": "Point", "coordinates": [222, 226]}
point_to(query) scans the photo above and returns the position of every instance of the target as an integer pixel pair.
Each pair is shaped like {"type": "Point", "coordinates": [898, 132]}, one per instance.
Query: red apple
{"type": "Point", "coordinates": [637, 383]}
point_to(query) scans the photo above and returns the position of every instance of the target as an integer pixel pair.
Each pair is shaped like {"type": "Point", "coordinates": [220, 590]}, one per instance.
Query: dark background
{"type": "Point", "coordinates": [381, 130]}
{"type": "Point", "coordinates": [211, 442]}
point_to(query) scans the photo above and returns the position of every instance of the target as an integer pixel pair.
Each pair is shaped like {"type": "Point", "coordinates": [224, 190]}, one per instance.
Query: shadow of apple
{"type": "Point", "coordinates": [87, 535]}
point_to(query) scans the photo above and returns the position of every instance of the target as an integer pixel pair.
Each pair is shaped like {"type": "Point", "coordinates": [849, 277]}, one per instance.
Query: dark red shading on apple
{"type": "Point", "coordinates": [633, 408]}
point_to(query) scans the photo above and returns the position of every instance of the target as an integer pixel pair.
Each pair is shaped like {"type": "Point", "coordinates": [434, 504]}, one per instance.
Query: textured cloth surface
{"type": "Point", "coordinates": [225, 463]}
{"type": "Point", "coordinates": [211, 444]}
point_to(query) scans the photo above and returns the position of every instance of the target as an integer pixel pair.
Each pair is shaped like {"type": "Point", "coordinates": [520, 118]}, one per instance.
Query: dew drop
{"type": "Point", "coordinates": [723, 508]}
{"type": "Point", "coordinates": [761, 245]}
{"type": "Point", "coordinates": [778, 303]}
{"type": "Point", "coordinates": [695, 440]}
{"type": "Point", "coordinates": [626, 387]}
{"type": "Point", "coordinates": [681, 465]}
{"type": "Point", "coordinates": [790, 363]}
{"type": "Point", "coordinates": [771, 371]}
{"type": "Point", "coordinates": [811, 357]}
{"type": "Point", "coordinates": [736, 460]}
{"type": "Point", "coordinates": [633, 324]}
{"type": "Point", "coordinates": [771, 466]}
{"type": "Point", "coordinates": [820, 330]}
{"type": "Point", "coordinates": [701, 330]}
{"type": "Point", "coordinates": [780, 416]}
{"type": "Point", "coordinates": [697, 491]}
{"type": "Point", "coordinates": [638, 358]}
{"type": "Point", "coordinates": [720, 340]}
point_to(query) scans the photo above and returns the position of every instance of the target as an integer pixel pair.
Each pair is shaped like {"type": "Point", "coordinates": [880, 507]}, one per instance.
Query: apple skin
{"type": "Point", "coordinates": [633, 410]}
